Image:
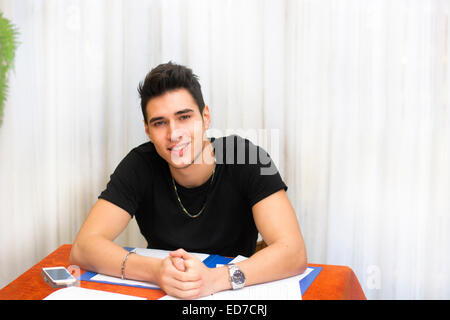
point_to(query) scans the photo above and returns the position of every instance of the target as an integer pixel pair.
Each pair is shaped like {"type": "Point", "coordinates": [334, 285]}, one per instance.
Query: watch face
{"type": "Point", "coordinates": [238, 277]}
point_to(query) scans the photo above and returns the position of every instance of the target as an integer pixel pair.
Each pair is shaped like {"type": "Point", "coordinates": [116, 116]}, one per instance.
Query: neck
{"type": "Point", "coordinates": [199, 171]}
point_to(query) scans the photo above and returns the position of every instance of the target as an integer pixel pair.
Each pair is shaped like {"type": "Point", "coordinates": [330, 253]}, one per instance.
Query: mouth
{"type": "Point", "coordinates": [179, 149]}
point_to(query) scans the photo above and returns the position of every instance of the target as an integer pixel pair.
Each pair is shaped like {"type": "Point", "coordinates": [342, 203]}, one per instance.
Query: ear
{"type": "Point", "coordinates": [206, 117]}
{"type": "Point", "coordinates": [147, 131]}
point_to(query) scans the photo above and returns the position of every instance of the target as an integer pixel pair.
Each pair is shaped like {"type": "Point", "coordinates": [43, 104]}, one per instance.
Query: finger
{"type": "Point", "coordinates": [192, 264]}
{"type": "Point", "coordinates": [178, 263]}
{"type": "Point", "coordinates": [183, 294]}
{"type": "Point", "coordinates": [186, 285]}
{"type": "Point", "coordinates": [173, 283]}
{"type": "Point", "coordinates": [190, 261]}
{"type": "Point", "coordinates": [181, 253]}
{"type": "Point", "coordinates": [186, 276]}
{"type": "Point", "coordinates": [172, 271]}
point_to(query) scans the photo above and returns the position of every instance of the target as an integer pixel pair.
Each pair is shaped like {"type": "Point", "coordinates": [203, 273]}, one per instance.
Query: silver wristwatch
{"type": "Point", "coordinates": [237, 277]}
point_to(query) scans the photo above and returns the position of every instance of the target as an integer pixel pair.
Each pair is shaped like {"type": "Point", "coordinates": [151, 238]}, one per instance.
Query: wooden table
{"type": "Point", "coordinates": [332, 283]}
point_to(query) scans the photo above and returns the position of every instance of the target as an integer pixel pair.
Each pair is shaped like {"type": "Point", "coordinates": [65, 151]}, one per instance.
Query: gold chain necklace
{"type": "Point", "coordinates": [207, 191]}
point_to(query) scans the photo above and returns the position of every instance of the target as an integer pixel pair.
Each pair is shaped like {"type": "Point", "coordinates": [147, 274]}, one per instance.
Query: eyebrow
{"type": "Point", "coordinates": [187, 110]}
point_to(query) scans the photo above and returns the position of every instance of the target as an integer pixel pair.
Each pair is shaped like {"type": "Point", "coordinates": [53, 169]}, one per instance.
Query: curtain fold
{"type": "Point", "coordinates": [350, 98]}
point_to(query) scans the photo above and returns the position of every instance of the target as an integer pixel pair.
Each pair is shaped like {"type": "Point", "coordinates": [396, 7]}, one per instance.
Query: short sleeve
{"type": "Point", "coordinates": [127, 184]}
{"type": "Point", "coordinates": [259, 175]}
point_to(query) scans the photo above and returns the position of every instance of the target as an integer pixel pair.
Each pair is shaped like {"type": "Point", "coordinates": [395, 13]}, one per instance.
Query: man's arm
{"type": "Point", "coordinates": [284, 256]}
{"type": "Point", "coordinates": [94, 250]}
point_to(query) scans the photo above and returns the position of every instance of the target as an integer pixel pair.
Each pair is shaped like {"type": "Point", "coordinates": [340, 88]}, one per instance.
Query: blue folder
{"type": "Point", "coordinates": [211, 261]}
{"type": "Point", "coordinates": [306, 281]}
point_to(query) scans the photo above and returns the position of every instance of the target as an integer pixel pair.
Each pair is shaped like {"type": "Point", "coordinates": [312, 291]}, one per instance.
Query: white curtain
{"type": "Point", "coordinates": [350, 97]}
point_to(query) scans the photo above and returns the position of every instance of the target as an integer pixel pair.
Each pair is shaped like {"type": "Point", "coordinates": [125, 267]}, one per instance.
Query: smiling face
{"type": "Point", "coordinates": [176, 127]}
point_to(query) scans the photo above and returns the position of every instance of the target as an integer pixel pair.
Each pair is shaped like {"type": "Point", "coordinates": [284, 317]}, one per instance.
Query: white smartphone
{"type": "Point", "coordinates": [58, 276]}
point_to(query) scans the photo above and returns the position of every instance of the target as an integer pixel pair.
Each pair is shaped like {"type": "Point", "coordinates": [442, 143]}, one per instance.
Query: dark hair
{"type": "Point", "coordinates": [167, 77]}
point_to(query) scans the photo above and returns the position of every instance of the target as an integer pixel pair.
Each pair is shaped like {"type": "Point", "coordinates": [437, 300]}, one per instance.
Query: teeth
{"type": "Point", "coordinates": [179, 147]}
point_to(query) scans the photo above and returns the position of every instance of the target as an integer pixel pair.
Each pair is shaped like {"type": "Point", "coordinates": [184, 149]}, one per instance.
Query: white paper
{"type": "Point", "coordinates": [77, 293]}
{"type": "Point", "coordinates": [154, 253]}
{"type": "Point", "coordinates": [285, 289]}
{"type": "Point", "coordinates": [238, 259]}
{"type": "Point", "coordinates": [134, 283]}
{"type": "Point", "coordinates": [161, 254]}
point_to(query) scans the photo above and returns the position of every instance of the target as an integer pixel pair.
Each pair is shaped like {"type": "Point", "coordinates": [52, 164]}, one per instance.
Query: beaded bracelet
{"type": "Point", "coordinates": [123, 264]}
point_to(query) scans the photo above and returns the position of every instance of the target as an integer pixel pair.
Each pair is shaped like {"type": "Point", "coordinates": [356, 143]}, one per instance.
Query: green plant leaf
{"type": "Point", "coordinates": [8, 46]}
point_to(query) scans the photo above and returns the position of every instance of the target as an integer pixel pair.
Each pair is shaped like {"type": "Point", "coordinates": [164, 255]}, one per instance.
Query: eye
{"type": "Point", "coordinates": [185, 117]}
{"type": "Point", "coordinates": [158, 123]}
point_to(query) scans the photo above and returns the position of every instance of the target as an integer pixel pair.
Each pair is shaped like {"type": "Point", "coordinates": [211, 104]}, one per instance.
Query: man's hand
{"type": "Point", "coordinates": [196, 269]}
{"type": "Point", "coordinates": [175, 280]}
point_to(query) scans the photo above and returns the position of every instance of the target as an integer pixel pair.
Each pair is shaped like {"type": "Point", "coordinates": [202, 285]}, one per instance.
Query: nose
{"type": "Point", "coordinates": [174, 134]}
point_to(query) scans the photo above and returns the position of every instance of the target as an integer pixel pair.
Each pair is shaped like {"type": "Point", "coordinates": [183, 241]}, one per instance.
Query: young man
{"type": "Point", "coordinates": [191, 194]}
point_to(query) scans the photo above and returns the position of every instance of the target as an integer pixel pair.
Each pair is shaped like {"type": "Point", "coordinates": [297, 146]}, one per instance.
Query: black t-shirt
{"type": "Point", "coordinates": [244, 175]}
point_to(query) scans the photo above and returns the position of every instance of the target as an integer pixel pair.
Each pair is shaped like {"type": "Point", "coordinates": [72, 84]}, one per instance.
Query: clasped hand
{"type": "Point", "coordinates": [184, 276]}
